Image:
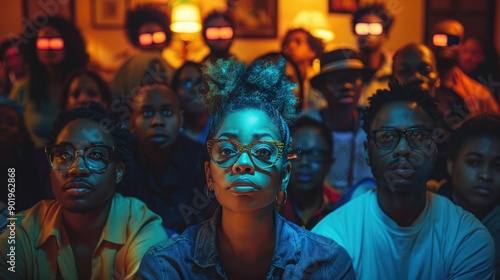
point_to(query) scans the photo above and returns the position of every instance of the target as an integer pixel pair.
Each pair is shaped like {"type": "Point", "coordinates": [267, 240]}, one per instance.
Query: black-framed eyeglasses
{"type": "Point", "coordinates": [263, 153]}
{"type": "Point", "coordinates": [388, 138]}
{"type": "Point", "coordinates": [189, 83]}
{"type": "Point", "coordinates": [316, 155]}
{"type": "Point", "coordinates": [96, 157]}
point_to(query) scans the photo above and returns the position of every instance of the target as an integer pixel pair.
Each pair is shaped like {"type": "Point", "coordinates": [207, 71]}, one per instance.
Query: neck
{"type": "Point", "coordinates": [158, 157]}
{"type": "Point", "coordinates": [86, 227]}
{"type": "Point", "coordinates": [345, 119]}
{"type": "Point", "coordinates": [237, 229]}
{"type": "Point", "coordinates": [402, 207]}
{"type": "Point", "coordinates": [308, 200]}
{"type": "Point", "coordinates": [303, 68]}
{"type": "Point", "coordinates": [478, 211]}
{"type": "Point", "coordinates": [373, 59]}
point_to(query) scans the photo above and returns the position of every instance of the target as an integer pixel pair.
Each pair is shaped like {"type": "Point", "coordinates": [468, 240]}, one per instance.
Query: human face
{"type": "Point", "coordinates": [218, 45]}
{"type": "Point", "coordinates": [244, 186]}
{"type": "Point", "coordinates": [50, 57]}
{"type": "Point", "coordinates": [189, 86]}
{"type": "Point", "coordinates": [471, 55]}
{"type": "Point", "coordinates": [10, 128]}
{"type": "Point", "coordinates": [78, 189]}
{"type": "Point", "coordinates": [448, 53]}
{"type": "Point", "coordinates": [82, 90]}
{"type": "Point", "coordinates": [313, 162]}
{"type": "Point", "coordinates": [155, 33]}
{"type": "Point", "coordinates": [369, 43]}
{"type": "Point", "coordinates": [402, 169]}
{"type": "Point", "coordinates": [343, 89]}
{"type": "Point", "coordinates": [14, 60]}
{"type": "Point", "coordinates": [297, 48]}
{"type": "Point", "coordinates": [475, 173]}
{"type": "Point", "coordinates": [416, 65]}
{"type": "Point", "coordinates": [156, 117]}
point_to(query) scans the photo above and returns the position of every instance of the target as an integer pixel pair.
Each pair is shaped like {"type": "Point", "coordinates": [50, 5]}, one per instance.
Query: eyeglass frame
{"type": "Point", "coordinates": [245, 148]}
{"type": "Point", "coordinates": [400, 133]}
{"type": "Point", "coordinates": [299, 153]}
{"type": "Point", "coordinates": [81, 153]}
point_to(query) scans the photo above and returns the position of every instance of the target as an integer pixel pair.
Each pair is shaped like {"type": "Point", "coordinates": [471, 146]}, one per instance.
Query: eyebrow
{"type": "Point", "coordinates": [256, 136]}
{"type": "Point", "coordinates": [392, 127]}
{"type": "Point", "coordinates": [92, 144]}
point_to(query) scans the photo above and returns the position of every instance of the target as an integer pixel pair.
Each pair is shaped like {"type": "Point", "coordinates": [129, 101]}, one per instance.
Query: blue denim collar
{"type": "Point", "coordinates": [286, 248]}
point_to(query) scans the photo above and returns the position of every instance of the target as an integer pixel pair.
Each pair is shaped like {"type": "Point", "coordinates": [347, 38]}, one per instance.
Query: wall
{"type": "Point", "coordinates": [108, 46]}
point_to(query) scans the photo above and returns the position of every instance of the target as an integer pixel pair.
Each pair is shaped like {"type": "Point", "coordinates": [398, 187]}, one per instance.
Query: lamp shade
{"type": "Point", "coordinates": [186, 18]}
{"type": "Point", "coordinates": [316, 22]}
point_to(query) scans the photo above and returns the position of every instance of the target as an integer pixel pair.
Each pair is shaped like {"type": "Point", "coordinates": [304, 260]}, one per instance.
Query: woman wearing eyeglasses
{"type": "Point", "coordinates": [248, 172]}
{"type": "Point", "coordinates": [55, 49]}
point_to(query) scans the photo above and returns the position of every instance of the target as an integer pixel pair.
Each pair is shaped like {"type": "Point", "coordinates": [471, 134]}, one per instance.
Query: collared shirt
{"type": "Point", "coordinates": [43, 250]}
{"type": "Point", "coordinates": [174, 191]}
{"type": "Point", "coordinates": [298, 254]}
{"type": "Point", "coordinates": [292, 213]}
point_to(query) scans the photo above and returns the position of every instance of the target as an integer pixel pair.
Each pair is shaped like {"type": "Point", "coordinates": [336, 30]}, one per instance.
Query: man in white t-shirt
{"type": "Point", "coordinates": [401, 231]}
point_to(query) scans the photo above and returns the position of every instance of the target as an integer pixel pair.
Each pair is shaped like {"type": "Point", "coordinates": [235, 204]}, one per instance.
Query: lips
{"type": "Point", "coordinates": [403, 170]}
{"type": "Point", "coordinates": [243, 185]}
{"type": "Point", "coordinates": [158, 137]}
{"type": "Point", "coordinates": [78, 188]}
{"type": "Point", "coordinates": [483, 190]}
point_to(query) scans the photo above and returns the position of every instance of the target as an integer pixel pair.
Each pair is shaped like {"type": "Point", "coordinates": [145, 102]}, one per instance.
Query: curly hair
{"type": "Point", "coordinates": [399, 93]}
{"type": "Point", "coordinates": [75, 57]}
{"type": "Point", "coordinates": [146, 14]}
{"type": "Point", "coordinates": [315, 43]}
{"type": "Point", "coordinates": [376, 9]}
{"type": "Point", "coordinates": [487, 124]}
{"type": "Point", "coordinates": [101, 84]}
{"type": "Point", "coordinates": [107, 124]}
{"type": "Point", "coordinates": [230, 86]}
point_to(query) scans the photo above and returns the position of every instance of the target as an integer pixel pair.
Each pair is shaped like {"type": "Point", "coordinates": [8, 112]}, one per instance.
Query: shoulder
{"type": "Point", "coordinates": [19, 90]}
{"type": "Point", "coordinates": [178, 246]}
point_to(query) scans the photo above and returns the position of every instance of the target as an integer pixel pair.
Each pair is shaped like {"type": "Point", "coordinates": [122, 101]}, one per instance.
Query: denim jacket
{"type": "Point", "coordinates": [298, 254]}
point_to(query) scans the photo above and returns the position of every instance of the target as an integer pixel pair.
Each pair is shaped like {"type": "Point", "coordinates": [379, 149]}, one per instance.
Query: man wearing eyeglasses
{"type": "Point", "coordinates": [89, 231]}
{"type": "Point", "coordinates": [371, 25]}
{"type": "Point", "coordinates": [401, 231]}
{"type": "Point", "coordinates": [447, 37]}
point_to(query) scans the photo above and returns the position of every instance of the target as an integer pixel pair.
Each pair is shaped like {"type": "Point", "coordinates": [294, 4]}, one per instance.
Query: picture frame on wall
{"type": "Point", "coordinates": [108, 14]}
{"type": "Point", "coordinates": [254, 18]}
{"type": "Point", "coordinates": [37, 11]}
{"type": "Point", "coordinates": [343, 6]}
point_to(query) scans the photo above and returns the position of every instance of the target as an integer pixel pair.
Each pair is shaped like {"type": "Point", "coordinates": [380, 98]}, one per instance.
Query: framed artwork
{"type": "Point", "coordinates": [343, 6]}
{"type": "Point", "coordinates": [254, 18]}
{"type": "Point", "coordinates": [108, 14]}
{"type": "Point", "coordinates": [37, 11]}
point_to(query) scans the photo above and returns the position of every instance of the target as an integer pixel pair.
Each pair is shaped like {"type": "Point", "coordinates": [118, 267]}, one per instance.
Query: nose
{"type": "Point", "coordinates": [244, 164]}
{"type": "Point", "coordinates": [403, 149]}
{"type": "Point", "coordinates": [78, 168]}
{"type": "Point", "coordinates": [157, 119]}
{"type": "Point", "coordinates": [484, 173]}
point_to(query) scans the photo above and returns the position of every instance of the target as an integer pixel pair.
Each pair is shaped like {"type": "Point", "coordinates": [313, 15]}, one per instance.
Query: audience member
{"type": "Point", "coordinates": [187, 83]}
{"type": "Point", "coordinates": [303, 48]}
{"type": "Point", "coordinates": [88, 231]}
{"type": "Point", "coordinates": [479, 61]}
{"type": "Point", "coordinates": [169, 175]}
{"type": "Point", "coordinates": [54, 50]}
{"type": "Point", "coordinates": [310, 199]}
{"type": "Point", "coordinates": [292, 72]}
{"type": "Point", "coordinates": [13, 67]}
{"type": "Point", "coordinates": [474, 168]}
{"type": "Point", "coordinates": [447, 36]}
{"type": "Point", "coordinates": [248, 171]}
{"type": "Point", "coordinates": [341, 82]}
{"type": "Point", "coordinates": [17, 152]}
{"type": "Point", "coordinates": [82, 87]}
{"type": "Point", "coordinates": [371, 26]}
{"type": "Point", "coordinates": [218, 34]}
{"type": "Point", "coordinates": [419, 234]}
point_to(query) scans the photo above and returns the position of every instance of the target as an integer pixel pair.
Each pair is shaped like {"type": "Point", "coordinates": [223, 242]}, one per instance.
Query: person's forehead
{"type": "Point", "coordinates": [48, 31]}
{"type": "Point", "coordinates": [415, 55]}
{"type": "Point", "coordinates": [308, 135]}
{"type": "Point", "coordinates": [155, 95]}
{"type": "Point", "coordinates": [81, 132]}
{"type": "Point", "coordinates": [248, 122]}
{"type": "Point", "coordinates": [150, 27]}
{"type": "Point", "coordinates": [217, 22]}
{"type": "Point", "coordinates": [370, 18]}
{"type": "Point", "coordinates": [401, 115]}
{"type": "Point", "coordinates": [449, 27]}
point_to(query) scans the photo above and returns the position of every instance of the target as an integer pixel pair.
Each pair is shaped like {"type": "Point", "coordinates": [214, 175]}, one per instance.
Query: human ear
{"type": "Point", "coordinates": [208, 175]}
{"type": "Point", "coordinates": [120, 170]}
{"type": "Point", "coordinates": [285, 175]}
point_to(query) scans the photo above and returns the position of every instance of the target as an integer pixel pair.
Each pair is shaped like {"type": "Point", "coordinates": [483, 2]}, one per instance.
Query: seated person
{"type": "Point", "coordinates": [248, 171]}
{"type": "Point", "coordinates": [89, 231]}
{"type": "Point", "coordinates": [474, 168]}
{"type": "Point", "coordinates": [168, 175]}
{"type": "Point", "coordinates": [310, 199]}
{"type": "Point", "coordinates": [419, 235]}
{"type": "Point", "coordinates": [82, 87]}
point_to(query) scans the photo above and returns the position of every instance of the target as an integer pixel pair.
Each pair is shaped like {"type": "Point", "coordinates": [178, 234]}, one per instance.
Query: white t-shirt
{"type": "Point", "coordinates": [445, 242]}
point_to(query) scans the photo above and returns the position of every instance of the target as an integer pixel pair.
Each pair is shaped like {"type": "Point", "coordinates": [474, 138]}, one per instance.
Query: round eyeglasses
{"type": "Point", "coordinates": [96, 158]}
{"type": "Point", "coordinates": [388, 139]}
{"type": "Point", "coordinates": [263, 153]}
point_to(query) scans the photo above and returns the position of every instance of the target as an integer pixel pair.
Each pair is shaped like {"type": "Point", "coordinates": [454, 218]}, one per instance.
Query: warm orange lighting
{"type": "Point", "coordinates": [316, 22]}
{"type": "Point", "coordinates": [45, 43]}
{"type": "Point", "coordinates": [440, 40]}
{"type": "Point", "coordinates": [186, 18]}
{"type": "Point", "coordinates": [219, 33]}
{"type": "Point", "coordinates": [374, 28]}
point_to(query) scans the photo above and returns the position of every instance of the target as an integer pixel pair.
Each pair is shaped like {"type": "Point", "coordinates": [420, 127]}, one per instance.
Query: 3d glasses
{"type": "Point", "coordinates": [49, 43]}
{"type": "Point", "coordinates": [146, 39]}
{"type": "Point", "coordinates": [219, 33]}
{"type": "Point", "coordinates": [445, 40]}
{"type": "Point", "coordinates": [374, 28]}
